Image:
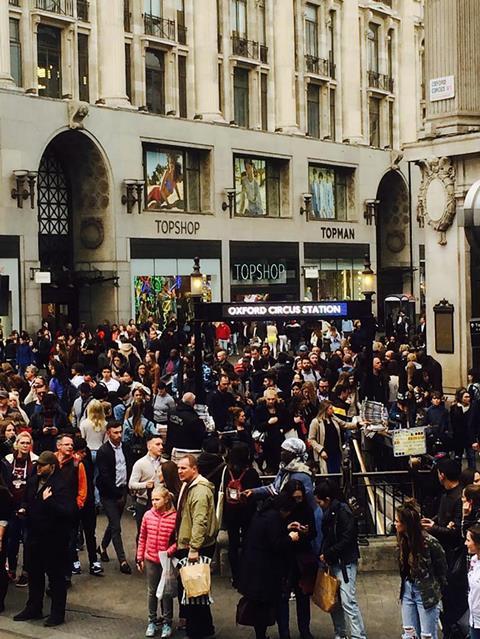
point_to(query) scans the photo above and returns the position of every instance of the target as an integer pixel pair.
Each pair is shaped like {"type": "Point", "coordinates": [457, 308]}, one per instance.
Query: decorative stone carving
{"type": "Point", "coordinates": [92, 232]}
{"type": "Point", "coordinates": [77, 112]}
{"type": "Point", "coordinates": [395, 158]}
{"type": "Point", "coordinates": [436, 196]}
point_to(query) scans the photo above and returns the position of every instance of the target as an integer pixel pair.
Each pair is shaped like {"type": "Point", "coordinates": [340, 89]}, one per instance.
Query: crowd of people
{"type": "Point", "coordinates": [102, 421]}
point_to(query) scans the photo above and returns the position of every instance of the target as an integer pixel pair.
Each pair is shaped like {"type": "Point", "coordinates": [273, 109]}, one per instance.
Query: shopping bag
{"type": "Point", "coordinates": [168, 584]}
{"type": "Point", "coordinates": [325, 592]}
{"type": "Point", "coordinates": [196, 579]}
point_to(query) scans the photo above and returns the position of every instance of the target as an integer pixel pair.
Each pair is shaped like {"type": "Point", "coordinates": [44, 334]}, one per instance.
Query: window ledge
{"type": "Point", "coordinates": [54, 17]}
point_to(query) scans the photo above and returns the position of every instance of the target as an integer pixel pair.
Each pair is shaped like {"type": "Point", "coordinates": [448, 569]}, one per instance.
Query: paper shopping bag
{"type": "Point", "coordinates": [196, 579]}
{"type": "Point", "coordinates": [325, 592]}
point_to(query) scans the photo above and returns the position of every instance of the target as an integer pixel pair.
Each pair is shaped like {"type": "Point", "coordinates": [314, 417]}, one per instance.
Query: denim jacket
{"type": "Point", "coordinates": [430, 573]}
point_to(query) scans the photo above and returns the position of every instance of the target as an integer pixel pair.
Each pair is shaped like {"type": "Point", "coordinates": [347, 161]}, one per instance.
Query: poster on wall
{"type": "Point", "coordinates": [164, 179]}
{"type": "Point", "coordinates": [322, 184]}
{"type": "Point", "coordinates": [250, 187]}
{"type": "Point", "coordinates": [165, 297]}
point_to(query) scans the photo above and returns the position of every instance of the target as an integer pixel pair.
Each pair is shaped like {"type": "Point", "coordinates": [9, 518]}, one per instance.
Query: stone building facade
{"type": "Point", "coordinates": [260, 135]}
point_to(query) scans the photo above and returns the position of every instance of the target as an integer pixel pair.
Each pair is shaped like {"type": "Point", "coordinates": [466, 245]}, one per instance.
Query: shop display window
{"type": "Point", "coordinates": [331, 189]}
{"type": "Point", "coordinates": [261, 186]}
{"type": "Point", "coordinates": [333, 279]}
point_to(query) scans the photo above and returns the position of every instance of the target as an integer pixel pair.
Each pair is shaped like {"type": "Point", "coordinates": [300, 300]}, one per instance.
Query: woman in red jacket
{"type": "Point", "coordinates": [156, 533]}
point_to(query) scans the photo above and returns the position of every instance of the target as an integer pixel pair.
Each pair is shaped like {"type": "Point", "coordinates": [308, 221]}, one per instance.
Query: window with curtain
{"type": "Point", "coordinates": [15, 51]}
{"type": "Point", "coordinates": [238, 17]}
{"type": "Point", "coordinates": [311, 30]}
{"type": "Point", "coordinates": [241, 96]}
{"type": "Point", "coordinates": [155, 80]}
{"type": "Point", "coordinates": [372, 47]}
{"type": "Point", "coordinates": [313, 110]}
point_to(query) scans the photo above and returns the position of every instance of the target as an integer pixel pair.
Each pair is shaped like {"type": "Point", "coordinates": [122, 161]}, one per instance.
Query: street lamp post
{"type": "Point", "coordinates": [368, 291]}
{"type": "Point", "coordinates": [196, 293]}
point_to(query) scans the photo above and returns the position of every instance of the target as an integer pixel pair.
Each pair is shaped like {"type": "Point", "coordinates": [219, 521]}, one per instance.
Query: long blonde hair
{"type": "Point", "coordinates": [96, 415]}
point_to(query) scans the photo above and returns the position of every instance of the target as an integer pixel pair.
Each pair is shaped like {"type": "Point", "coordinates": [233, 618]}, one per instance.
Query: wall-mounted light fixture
{"type": "Point", "coordinates": [306, 209]}
{"type": "Point", "coordinates": [24, 187]}
{"type": "Point", "coordinates": [230, 193]}
{"type": "Point", "coordinates": [133, 195]}
{"type": "Point", "coordinates": [370, 211]}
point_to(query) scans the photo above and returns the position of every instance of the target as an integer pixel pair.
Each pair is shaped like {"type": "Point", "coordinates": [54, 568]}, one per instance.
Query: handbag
{"type": "Point", "coordinates": [254, 613]}
{"type": "Point", "coordinates": [326, 589]}
{"type": "Point", "coordinates": [196, 579]}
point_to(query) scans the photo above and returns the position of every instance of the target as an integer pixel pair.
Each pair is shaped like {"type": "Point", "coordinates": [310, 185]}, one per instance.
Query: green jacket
{"type": "Point", "coordinates": [430, 574]}
{"type": "Point", "coordinates": [198, 522]}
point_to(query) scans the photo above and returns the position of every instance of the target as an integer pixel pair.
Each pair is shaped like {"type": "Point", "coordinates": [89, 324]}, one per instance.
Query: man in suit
{"type": "Point", "coordinates": [49, 510]}
{"type": "Point", "coordinates": [112, 482]}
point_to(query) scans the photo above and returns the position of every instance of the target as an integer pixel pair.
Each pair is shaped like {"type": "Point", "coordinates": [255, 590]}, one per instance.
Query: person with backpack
{"type": "Point", "coordinates": [237, 512]}
{"type": "Point", "coordinates": [340, 553]}
{"type": "Point", "coordinates": [136, 429]}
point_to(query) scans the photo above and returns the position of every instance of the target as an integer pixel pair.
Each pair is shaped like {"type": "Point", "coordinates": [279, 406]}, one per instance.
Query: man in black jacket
{"type": "Point", "coordinates": [49, 511]}
{"type": "Point", "coordinates": [114, 467]}
{"type": "Point", "coordinates": [185, 429]}
{"type": "Point", "coordinates": [220, 403]}
{"type": "Point", "coordinates": [340, 551]}
{"type": "Point", "coordinates": [447, 528]}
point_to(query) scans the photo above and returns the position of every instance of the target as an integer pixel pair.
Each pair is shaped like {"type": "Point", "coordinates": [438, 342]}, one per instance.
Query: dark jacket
{"type": "Point", "coordinates": [44, 441]}
{"type": "Point", "coordinates": [340, 544]}
{"type": "Point", "coordinates": [450, 509]}
{"type": "Point", "coordinates": [265, 557]}
{"type": "Point", "coordinates": [48, 520]}
{"type": "Point", "coordinates": [218, 406]}
{"type": "Point", "coordinates": [105, 462]}
{"type": "Point", "coordinates": [429, 574]}
{"type": "Point", "coordinates": [185, 429]}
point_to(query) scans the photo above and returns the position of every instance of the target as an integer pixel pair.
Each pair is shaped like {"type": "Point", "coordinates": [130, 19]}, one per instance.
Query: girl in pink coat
{"type": "Point", "coordinates": [156, 534]}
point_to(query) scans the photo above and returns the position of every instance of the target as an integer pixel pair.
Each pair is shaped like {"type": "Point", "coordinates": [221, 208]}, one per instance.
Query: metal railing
{"type": "Point", "coordinates": [61, 7]}
{"type": "Point", "coordinates": [245, 48]}
{"type": "Point", "coordinates": [377, 496]}
{"type": "Point", "coordinates": [320, 66]}
{"type": "Point", "coordinates": [82, 10]}
{"type": "Point", "coordinates": [159, 27]}
{"type": "Point", "coordinates": [380, 81]}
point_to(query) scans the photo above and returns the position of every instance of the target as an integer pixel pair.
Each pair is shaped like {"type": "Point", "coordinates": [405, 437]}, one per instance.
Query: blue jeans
{"type": "Point", "coordinates": [474, 633]}
{"type": "Point", "coordinates": [414, 614]}
{"type": "Point", "coordinates": [347, 606]}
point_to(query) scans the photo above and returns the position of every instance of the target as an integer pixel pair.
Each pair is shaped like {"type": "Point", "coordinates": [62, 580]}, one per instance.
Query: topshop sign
{"type": "Point", "coordinates": [248, 272]}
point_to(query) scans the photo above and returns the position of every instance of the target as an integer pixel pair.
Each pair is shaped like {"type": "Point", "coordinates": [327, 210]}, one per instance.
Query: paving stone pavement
{"type": "Point", "coordinates": [115, 606]}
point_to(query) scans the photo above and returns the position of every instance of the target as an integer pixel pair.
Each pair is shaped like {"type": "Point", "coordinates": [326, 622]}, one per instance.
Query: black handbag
{"type": "Point", "coordinates": [253, 613]}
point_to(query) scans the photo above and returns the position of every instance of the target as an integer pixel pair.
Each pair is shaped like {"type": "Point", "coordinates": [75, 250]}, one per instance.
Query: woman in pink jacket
{"type": "Point", "coordinates": [156, 534]}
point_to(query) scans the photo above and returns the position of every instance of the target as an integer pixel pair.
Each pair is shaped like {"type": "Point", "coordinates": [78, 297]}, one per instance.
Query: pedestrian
{"type": "Point", "coordinates": [145, 477]}
{"type": "Point", "coordinates": [472, 543]}
{"type": "Point", "coordinates": [113, 473]}
{"type": "Point", "coordinates": [6, 512]}
{"type": "Point", "coordinates": [87, 518]}
{"type": "Point", "coordinates": [196, 536]}
{"type": "Point", "coordinates": [49, 512]}
{"type": "Point", "coordinates": [423, 571]}
{"type": "Point", "coordinates": [272, 419]}
{"type": "Point", "coordinates": [340, 553]}
{"type": "Point", "coordinates": [263, 563]}
{"type": "Point", "coordinates": [16, 469]}
{"type": "Point", "coordinates": [237, 511]}
{"type": "Point", "coordinates": [185, 430]}
{"type": "Point", "coordinates": [156, 535]}
{"type": "Point", "coordinates": [168, 477]}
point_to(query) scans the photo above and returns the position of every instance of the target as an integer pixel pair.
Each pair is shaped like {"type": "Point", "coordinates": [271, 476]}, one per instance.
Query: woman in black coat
{"type": "Point", "coordinates": [263, 564]}
{"type": "Point", "coordinates": [271, 418]}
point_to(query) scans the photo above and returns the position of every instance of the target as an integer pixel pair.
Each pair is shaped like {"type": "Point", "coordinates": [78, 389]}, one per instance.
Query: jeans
{"type": "Point", "coordinates": [15, 534]}
{"type": "Point", "coordinates": [415, 615]}
{"type": "Point", "coordinates": [474, 633]}
{"type": "Point", "coordinates": [347, 604]}
{"type": "Point", "coordinates": [224, 344]}
{"type": "Point", "coordinates": [88, 519]}
{"type": "Point", "coordinates": [113, 532]}
{"type": "Point", "coordinates": [303, 613]}
{"type": "Point", "coordinates": [154, 573]}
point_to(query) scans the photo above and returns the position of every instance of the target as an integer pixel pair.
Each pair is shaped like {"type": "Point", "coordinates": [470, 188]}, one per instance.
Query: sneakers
{"type": "Point", "coordinates": [103, 554]}
{"type": "Point", "coordinates": [76, 568]}
{"type": "Point", "coordinates": [96, 569]}
{"type": "Point", "coordinates": [125, 568]}
{"type": "Point", "coordinates": [166, 631]}
{"type": "Point", "coordinates": [22, 581]}
{"type": "Point", "coordinates": [151, 630]}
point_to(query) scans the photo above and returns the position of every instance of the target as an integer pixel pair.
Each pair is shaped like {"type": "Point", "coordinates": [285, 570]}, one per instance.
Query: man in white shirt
{"type": "Point", "coordinates": [108, 381]}
{"type": "Point", "coordinates": [145, 477]}
{"type": "Point", "coordinates": [78, 378]}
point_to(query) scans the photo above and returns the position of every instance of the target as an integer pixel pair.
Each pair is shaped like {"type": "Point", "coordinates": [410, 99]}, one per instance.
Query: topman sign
{"type": "Point", "coordinates": [283, 310]}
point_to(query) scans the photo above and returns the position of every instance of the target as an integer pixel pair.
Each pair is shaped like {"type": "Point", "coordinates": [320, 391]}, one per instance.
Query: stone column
{"type": "Point", "coordinates": [111, 53]}
{"type": "Point", "coordinates": [351, 102]}
{"type": "Point", "coordinates": [206, 61]}
{"type": "Point", "coordinates": [284, 61]}
{"type": "Point", "coordinates": [6, 79]}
